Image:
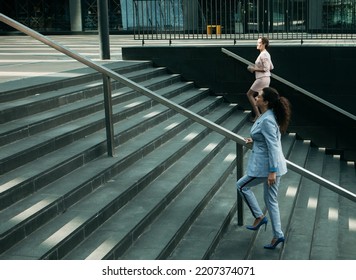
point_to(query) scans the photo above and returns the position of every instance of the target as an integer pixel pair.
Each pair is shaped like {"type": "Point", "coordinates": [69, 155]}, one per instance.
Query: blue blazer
{"type": "Point", "coordinates": [267, 155]}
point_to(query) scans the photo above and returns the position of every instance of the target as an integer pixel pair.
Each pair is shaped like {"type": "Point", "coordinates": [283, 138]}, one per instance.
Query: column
{"type": "Point", "coordinates": [75, 11]}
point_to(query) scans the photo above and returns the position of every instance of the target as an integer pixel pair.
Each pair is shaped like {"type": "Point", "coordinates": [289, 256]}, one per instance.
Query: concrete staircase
{"type": "Point", "coordinates": [169, 193]}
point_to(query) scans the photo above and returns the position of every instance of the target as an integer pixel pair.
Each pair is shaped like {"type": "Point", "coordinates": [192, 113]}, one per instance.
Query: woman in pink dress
{"type": "Point", "coordinates": [262, 69]}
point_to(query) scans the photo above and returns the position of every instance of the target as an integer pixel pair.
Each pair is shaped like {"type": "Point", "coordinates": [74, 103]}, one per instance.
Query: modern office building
{"type": "Point", "coordinates": [236, 16]}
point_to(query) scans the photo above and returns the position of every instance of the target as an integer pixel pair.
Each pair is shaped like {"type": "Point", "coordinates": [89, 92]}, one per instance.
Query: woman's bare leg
{"type": "Point", "coordinates": [251, 98]}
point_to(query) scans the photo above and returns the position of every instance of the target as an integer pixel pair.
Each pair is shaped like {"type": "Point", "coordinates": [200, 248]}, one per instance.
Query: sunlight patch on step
{"type": "Point", "coordinates": [352, 224]}
{"type": "Point", "coordinates": [36, 73]}
{"type": "Point", "coordinates": [8, 185]}
{"type": "Point", "coordinates": [63, 232]}
{"type": "Point", "coordinates": [118, 92]}
{"type": "Point", "coordinates": [230, 157]}
{"type": "Point", "coordinates": [93, 85]}
{"type": "Point", "coordinates": [190, 136]}
{"type": "Point", "coordinates": [210, 147]}
{"type": "Point", "coordinates": [150, 115]}
{"type": "Point", "coordinates": [32, 60]}
{"type": "Point", "coordinates": [30, 211]}
{"type": "Point", "coordinates": [312, 202]}
{"type": "Point", "coordinates": [291, 191]}
{"type": "Point", "coordinates": [102, 250]}
{"type": "Point", "coordinates": [172, 125]}
{"type": "Point", "coordinates": [133, 104]}
{"type": "Point", "coordinates": [333, 214]}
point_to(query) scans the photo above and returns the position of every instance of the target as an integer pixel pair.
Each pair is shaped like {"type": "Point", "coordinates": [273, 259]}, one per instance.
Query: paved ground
{"type": "Point", "coordinates": [22, 56]}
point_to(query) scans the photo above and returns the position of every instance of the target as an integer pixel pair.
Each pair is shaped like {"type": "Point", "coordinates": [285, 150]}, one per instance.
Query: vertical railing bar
{"type": "Point", "coordinates": [296, 15]}
{"type": "Point", "coordinates": [211, 17]}
{"type": "Point", "coordinates": [162, 18]}
{"type": "Point", "coordinates": [216, 18]}
{"type": "Point", "coordinates": [192, 9]}
{"type": "Point", "coordinates": [239, 174]}
{"type": "Point", "coordinates": [108, 116]}
{"type": "Point", "coordinates": [133, 19]}
{"type": "Point", "coordinates": [203, 19]}
{"type": "Point", "coordinates": [143, 23]}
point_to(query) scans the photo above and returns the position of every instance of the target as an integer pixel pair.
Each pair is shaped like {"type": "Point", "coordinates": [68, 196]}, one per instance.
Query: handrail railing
{"type": "Point", "coordinates": [291, 165]}
{"type": "Point", "coordinates": [108, 73]}
{"type": "Point", "coordinates": [297, 88]}
{"type": "Point", "coordinates": [245, 20]}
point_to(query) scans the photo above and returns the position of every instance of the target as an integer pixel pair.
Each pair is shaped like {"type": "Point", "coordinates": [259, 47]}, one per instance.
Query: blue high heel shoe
{"type": "Point", "coordinates": [264, 221]}
{"type": "Point", "coordinates": [274, 245]}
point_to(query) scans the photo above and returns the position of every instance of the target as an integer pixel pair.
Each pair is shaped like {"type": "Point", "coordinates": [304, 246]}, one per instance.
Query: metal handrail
{"type": "Point", "coordinates": [294, 86]}
{"type": "Point", "coordinates": [176, 107]}
{"type": "Point", "coordinates": [291, 165]}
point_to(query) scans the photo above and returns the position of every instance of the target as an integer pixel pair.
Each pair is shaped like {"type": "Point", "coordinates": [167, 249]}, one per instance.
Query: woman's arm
{"type": "Point", "coordinates": [265, 62]}
{"type": "Point", "coordinates": [269, 130]}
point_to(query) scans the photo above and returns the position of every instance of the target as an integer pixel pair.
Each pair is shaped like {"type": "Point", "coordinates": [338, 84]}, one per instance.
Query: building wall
{"type": "Point", "coordinates": [323, 71]}
{"type": "Point", "coordinates": [124, 15]}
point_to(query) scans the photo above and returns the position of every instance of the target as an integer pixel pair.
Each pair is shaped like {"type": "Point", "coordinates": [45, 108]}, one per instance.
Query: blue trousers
{"type": "Point", "coordinates": [270, 194]}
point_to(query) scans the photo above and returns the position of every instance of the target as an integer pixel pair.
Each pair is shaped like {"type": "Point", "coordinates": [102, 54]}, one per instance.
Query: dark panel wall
{"type": "Point", "coordinates": [207, 66]}
{"type": "Point", "coordinates": [324, 71]}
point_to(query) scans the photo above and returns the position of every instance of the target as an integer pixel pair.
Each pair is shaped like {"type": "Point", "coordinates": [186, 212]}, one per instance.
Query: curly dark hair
{"type": "Point", "coordinates": [280, 105]}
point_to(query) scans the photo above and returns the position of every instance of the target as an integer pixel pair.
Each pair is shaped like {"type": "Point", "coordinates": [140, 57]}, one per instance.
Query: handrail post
{"type": "Point", "coordinates": [108, 116]}
{"type": "Point", "coordinates": [239, 174]}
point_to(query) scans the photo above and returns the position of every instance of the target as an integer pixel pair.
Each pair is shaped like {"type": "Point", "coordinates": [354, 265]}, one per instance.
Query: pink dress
{"type": "Point", "coordinates": [263, 79]}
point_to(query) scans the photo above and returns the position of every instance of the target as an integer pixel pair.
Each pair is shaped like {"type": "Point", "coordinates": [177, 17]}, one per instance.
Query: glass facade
{"type": "Point", "coordinates": [339, 14]}
{"type": "Point", "coordinates": [40, 15]}
{"type": "Point", "coordinates": [276, 15]}
{"type": "Point", "coordinates": [90, 15]}
{"type": "Point", "coordinates": [254, 16]}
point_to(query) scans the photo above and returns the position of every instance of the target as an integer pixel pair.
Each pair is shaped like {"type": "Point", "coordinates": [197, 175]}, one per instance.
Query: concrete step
{"type": "Point", "coordinates": [326, 225]}
{"type": "Point", "coordinates": [286, 198]}
{"type": "Point", "coordinates": [311, 215]}
{"type": "Point", "coordinates": [64, 105]}
{"type": "Point", "coordinates": [240, 243]}
{"type": "Point", "coordinates": [347, 214]}
{"type": "Point", "coordinates": [301, 225]}
{"type": "Point", "coordinates": [172, 224]}
{"type": "Point", "coordinates": [133, 127]}
{"type": "Point", "coordinates": [36, 145]}
{"type": "Point", "coordinates": [111, 241]}
{"type": "Point", "coordinates": [171, 182]}
{"type": "Point", "coordinates": [220, 228]}
{"type": "Point", "coordinates": [30, 86]}
{"type": "Point", "coordinates": [108, 202]}
{"type": "Point", "coordinates": [200, 241]}
{"type": "Point", "coordinates": [74, 151]}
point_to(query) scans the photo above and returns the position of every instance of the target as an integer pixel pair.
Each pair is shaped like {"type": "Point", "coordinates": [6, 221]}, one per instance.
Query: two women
{"type": "Point", "coordinates": [266, 164]}
{"type": "Point", "coordinates": [262, 69]}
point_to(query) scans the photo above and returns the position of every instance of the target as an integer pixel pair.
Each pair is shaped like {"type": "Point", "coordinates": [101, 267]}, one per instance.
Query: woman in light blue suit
{"type": "Point", "coordinates": [266, 164]}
